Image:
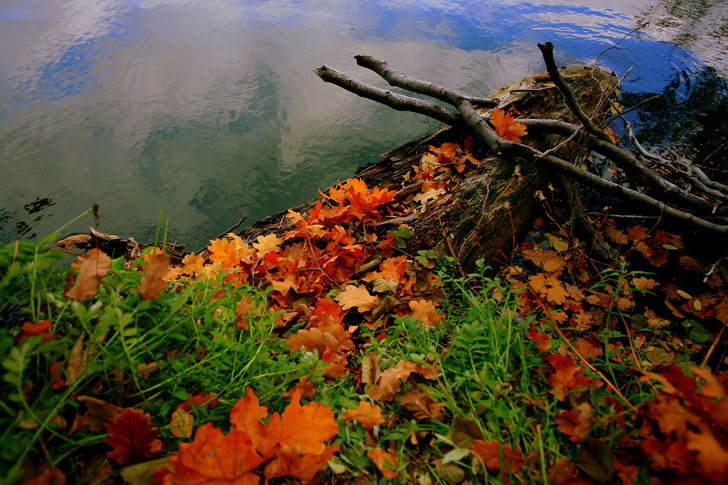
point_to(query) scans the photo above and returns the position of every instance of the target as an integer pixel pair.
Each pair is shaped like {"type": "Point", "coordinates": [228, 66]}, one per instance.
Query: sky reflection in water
{"type": "Point", "coordinates": [209, 110]}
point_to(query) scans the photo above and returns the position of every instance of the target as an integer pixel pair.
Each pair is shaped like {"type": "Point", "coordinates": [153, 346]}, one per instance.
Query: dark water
{"type": "Point", "coordinates": [206, 111]}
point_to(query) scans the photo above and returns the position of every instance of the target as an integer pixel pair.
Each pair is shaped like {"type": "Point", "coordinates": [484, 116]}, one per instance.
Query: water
{"type": "Point", "coordinates": [206, 111]}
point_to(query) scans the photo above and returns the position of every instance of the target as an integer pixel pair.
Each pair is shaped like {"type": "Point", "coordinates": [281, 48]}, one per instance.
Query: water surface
{"type": "Point", "coordinates": [206, 111]}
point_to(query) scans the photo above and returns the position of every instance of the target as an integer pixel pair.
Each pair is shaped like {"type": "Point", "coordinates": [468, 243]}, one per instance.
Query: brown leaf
{"type": "Point", "coordinates": [71, 241]}
{"type": "Point", "coordinates": [153, 280]}
{"type": "Point", "coordinates": [420, 405]}
{"type": "Point", "coordinates": [425, 312]}
{"type": "Point", "coordinates": [366, 414]}
{"type": "Point", "coordinates": [370, 369]}
{"type": "Point", "coordinates": [391, 380]}
{"type": "Point", "coordinates": [76, 360]}
{"type": "Point", "coordinates": [465, 432]}
{"type": "Point", "coordinates": [94, 267]}
{"type": "Point", "coordinates": [489, 454]}
{"type": "Point", "coordinates": [181, 423]}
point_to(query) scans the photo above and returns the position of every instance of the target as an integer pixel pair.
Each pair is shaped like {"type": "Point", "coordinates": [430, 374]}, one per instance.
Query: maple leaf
{"type": "Point", "coordinates": [153, 280]}
{"type": "Point", "coordinates": [366, 414]}
{"type": "Point", "coordinates": [94, 267]}
{"type": "Point", "coordinates": [357, 296]}
{"type": "Point", "coordinates": [215, 459]}
{"type": "Point", "coordinates": [297, 437]}
{"type": "Point", "coordinates": [385, 462]}
{"type": "Point", "coordinates": [550, 261]}
{"type": "Point", "coordinates": [390, 381]}
{"type": "Point", "coordinates": [131, 436]}
{"type": "Point", "coordinates": [246, 415]}
{"type": "Point", "coordinates": [445, 152]}
{"type": "Point", "coordinates": [425, 312]}
{"type": "Point", "coordinates": [506, 126]}
{"type": "Point", "coordinates": [489, 454]}
{"type": "Point", "coordinates": [548, 286]}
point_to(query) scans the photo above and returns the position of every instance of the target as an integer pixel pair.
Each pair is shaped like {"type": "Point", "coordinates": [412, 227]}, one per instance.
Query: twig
{"type": "Point", "coordinates": [233, 227]}
{"type": "Point", "coordinates": [712, 347]}
{"type": "Point", "coordinates": [547, 50]}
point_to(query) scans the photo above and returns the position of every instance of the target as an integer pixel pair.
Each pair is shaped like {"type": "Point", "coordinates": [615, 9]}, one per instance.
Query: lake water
{"type": "Point", "coordinates": [208, 110]}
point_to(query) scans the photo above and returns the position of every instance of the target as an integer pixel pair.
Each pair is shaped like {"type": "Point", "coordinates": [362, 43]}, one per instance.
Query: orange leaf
{"type": "Point", "coordinates": [425, 312]}
{"type": "Point", "coordinates": [302, 428]}
{"type": "Point", "coordinates": [506, 126]}
{"type": "Point", "coordinates": [367, 415]}
{"type": "Point", "coordinates": [246, 416]}
{"type": "Point", "coordinates": [94, 267]}
{"type": "Point", "coordinates": [215, 459]}
{"type": "Point", "coordinates": [488, 452]}
{"type": "Point", "coordinates": [390, 381]}
{"type": "Point", "coordinates": [193, 264]}
{"type": "Point", "coordinates": [153, 280]}
{"type": "Point", "coordinates": [385, 461]}
{"type": "Point", "coordinates": [71, 241]}
{"type": "Point", "coordinates": [181, 423]}
{"type": "Point", "coordinates": [576, 424]}
{"type": "Point", "coordinates": [357, 296]}
{"type": "Point", "coordinates": [131, 436]}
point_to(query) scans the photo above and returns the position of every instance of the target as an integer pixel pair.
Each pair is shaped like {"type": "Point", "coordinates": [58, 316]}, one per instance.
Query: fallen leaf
{"type": "Point", "coordinates": [420, 405]}
{"type": "Point", "coordinates": [366, 414]}
{"type": "Point", "coordinates": [425, 312]}
{"type": "Point", "coordinates": [506, 126]}
{"type": "Point", "coordinates": [181, 423]}
{"type": "Point", "coordinates": [385, 462]}
{"type": "Point", "coordinates": [390, 381]}
{"type": "Point", "coordinates": [357, 297]}
{"type": "Point", "coordinates": [153, 280]}
{"type": "Point", "coordinates": [131, 436]}
{"type": "Point", "coordinates": [215, 459]}
{"type": "Point", "coordinates": [489, 453]}
{"type": "Point", "coordinates": [94, 267]}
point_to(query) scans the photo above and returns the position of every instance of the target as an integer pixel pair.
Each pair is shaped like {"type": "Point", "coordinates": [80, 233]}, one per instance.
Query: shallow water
{"type": "Point", "coordinates": [206, 111]}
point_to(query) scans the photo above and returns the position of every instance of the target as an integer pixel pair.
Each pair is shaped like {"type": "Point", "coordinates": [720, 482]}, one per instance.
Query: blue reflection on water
{"type": "Point", "coordinates": [227, 140]}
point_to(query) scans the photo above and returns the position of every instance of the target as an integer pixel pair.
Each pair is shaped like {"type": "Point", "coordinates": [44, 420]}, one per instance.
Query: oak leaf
{"type": "Point", "coordinates": [131, 436]}
{"type": "Point", "coordinates": [390, 381]}
{"type": "Point", "coordinates": [420, 405]}
{"type": "Point", "coordinates": [153, 279]}
{"type": "Point", "coordinates": [576, 424]}
{"type": "Point", "coordinates": [506, 126]}
{"type": "Point", "coordinates": [385, 462]}
{"type": "Point", "coordinates": [268, 243]}
{"type": "Point", "coordinates": [357, 297]}
{"type": "Point", "coordinates": [425, 312]}
{"type": "Point", "coordinates": [193, 264]}
{"type": "Point", "coordinates": [366, 414]}
{"type": "Point", "coordinates": [94, 267]}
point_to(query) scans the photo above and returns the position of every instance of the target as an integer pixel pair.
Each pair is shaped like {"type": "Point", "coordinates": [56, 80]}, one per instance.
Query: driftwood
{"type": "Point", "coordinates": [496, 201]}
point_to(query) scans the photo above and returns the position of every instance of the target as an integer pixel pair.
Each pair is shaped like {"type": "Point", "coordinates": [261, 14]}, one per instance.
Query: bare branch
{"type": "Point", "coordinates": [396, 101]}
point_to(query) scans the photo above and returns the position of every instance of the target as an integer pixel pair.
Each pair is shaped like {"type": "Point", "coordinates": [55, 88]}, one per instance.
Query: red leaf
{"type": "Point", "coordinates": [131, 435]}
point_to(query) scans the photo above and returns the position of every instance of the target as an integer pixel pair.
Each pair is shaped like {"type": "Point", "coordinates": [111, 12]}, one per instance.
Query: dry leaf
{"type": "Point", "coordinates": [154, 276]}
{"type": "Point", "coordinates": [94, 267]}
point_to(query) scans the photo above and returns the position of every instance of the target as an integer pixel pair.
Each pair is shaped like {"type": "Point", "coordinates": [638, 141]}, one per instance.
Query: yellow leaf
{"type": "Point", "coordinates": [181, 423]}
{"type": "Point", "coordinates": [684, 294]}
{"type": "Point", "coordinates": [268, 243]}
